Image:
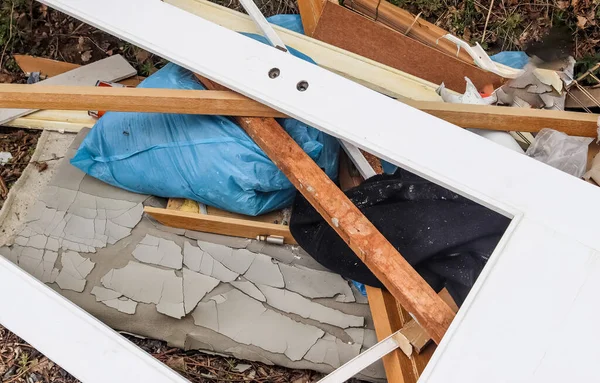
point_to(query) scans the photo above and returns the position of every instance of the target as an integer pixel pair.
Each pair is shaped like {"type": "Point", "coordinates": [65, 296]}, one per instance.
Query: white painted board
{"type": "Point", "coordinates": [114, 68]}
{"type": "Point", "coordinates": [555, 213]}
{"type": "Point", "coordinates": [70, 337]}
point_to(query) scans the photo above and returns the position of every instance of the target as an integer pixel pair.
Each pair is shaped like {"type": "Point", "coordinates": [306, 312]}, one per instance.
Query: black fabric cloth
{"type": "Point", "coordinates": [445, 237]}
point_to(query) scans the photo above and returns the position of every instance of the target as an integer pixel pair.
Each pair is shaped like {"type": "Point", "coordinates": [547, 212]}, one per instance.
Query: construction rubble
{"type": "Point", "coordinates": [171, 207]}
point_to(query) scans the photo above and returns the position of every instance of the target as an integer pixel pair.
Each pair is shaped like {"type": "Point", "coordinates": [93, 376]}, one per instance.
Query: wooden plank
{"type": "Point", "coordinates": [110, 69]}
{"type": "Point", "coordinates": [218, 225]}
{"type": "Point", "coordinates": [347, 220]}
{"type": "Point", "coordinates": [51, 68]}
{"type": "Point", "coordinates": [234, 104]}
{"type": "Point", "coordinates": [274, 217]}
{"type": "Point", "coordinates": [403, 21]}
{"type": "Point", "coordinates": [310, 12]}
{"type": "Point", "coordinates": [132, 100]}
{"type": "Point", "coordinates": [370, 73]}
{"type": "Point", "coordinates": [389, 47]}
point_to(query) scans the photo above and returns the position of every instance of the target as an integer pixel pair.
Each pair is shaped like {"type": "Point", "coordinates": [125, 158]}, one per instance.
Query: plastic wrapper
{"type": "Point", "coordinates": [561, 151]}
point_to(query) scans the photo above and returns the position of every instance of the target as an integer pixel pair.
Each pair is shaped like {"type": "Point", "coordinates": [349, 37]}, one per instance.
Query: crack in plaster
{"type": "Point", "coordinates": [201, 261]}
{"type": "Point", "coordinates": [294, 303]}
{"type": "Point", "coordinates": [158, 251]}
{"type": "Point", "coordinates": [115, 300]}
{"type": "Point", "coordinates": [74, 270]}
{"type": "Point", "coordinates": [148, 284]}
{"type": "Point", "coordinates": [245, 320]}
{"type": "Point", "coordinates": [316, 284]}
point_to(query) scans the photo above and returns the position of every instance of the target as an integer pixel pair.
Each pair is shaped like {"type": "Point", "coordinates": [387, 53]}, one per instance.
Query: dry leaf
{"type": "Point", "coordinates": [141, 56]}
{"type": "Point", "coordinates": [80, 43]}
{"type": "Point", "coordinates": [176, 363]}
{"type": "Point", "coordinates": [581, 22]}
{"type": "Point", "coordinates": [562, 4]}
{"type": "Point", "coordinates": [86, 56]}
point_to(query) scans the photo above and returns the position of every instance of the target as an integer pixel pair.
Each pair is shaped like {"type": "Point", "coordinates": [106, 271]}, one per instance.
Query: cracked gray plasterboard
{"type": "Point", "coordinates": [114, 300]}
{"type": "Point", "coordinates": [74, 270]}
{"type": "Point", "coordinates": [37, 262]}
{"type": "Point", "coordinates": [9, 254]}
{"type": "Point", "coordinates": [247, 321]}
{"type": "Point", "coordinates": [250, 289]}
{"type": "Point", "coordinates": [147, 284]}
{"type": "Point", "coordinates": [158, 251]}
{"type": "Point", "coordinates": [315, 284]}
{"type": "Point", "coordinates": [264, 271]}
{"type": "Point", "coordinates": [332, 351]}
{"type": "Point", "coordinates": [233, 242]}
{"type": "Point", "coordinates": [200, 261]}
{"type": "Point", "coordinates": [195, 287]}
{"type": "Point", "coordinates": [291, 302]}
{"type": "Point", "coordinates": [238, 260]}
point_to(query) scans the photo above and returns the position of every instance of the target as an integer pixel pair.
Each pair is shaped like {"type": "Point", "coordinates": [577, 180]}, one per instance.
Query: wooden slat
{"type": "Point", "coordinates": [310, 12]}
{"type": "Point", "coordinates": [218, 225]}
{"type": "Point", "coordinates": [403, 21]}
{"type": "Point", "coordinates": [132, 100]}
{"type": "Point", "coordinates": [233, 104]}
{"type": "Point", "coordinates": [389, 47]}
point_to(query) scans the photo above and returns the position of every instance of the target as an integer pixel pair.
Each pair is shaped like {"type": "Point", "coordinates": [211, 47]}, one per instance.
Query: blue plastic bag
{"type": "Point", "coordinates": [204, 158]}
{"type": "Point", "coordinates": [513, 59]}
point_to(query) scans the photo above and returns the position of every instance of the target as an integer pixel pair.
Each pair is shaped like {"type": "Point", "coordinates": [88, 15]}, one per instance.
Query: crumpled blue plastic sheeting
{"type": "Point", "coordinates": [291, 22]}
{"type": "Point", "coordinates": [204, 158]}
{"type": "Point", "coordinates": [513, 59]}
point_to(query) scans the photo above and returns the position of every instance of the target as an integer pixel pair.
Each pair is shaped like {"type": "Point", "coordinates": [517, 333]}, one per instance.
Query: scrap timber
{"type": "Point", "coordinates": [229, 103]}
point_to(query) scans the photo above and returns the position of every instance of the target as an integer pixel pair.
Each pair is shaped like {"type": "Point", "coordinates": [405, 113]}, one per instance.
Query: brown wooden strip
{"type": "Point", "coordinates": [350, 224]}
{"type": "Point", "coordinates": [219, 225]}
{"type": "Point", "coordinates": [310, 12]}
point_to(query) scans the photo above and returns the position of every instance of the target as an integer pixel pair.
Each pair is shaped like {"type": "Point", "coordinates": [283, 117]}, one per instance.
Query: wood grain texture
{"type": "Point", "coordinates": [132, 100]}
{"type": "Point", "coordinates": [310, 12]}
{"type": "Point", "coordinates": [403, 21]}
{"type": "Point", "coordinates": [389, 47]}
{"type": "Point", "coordinates": [218, 225]}
{"type": "Point", "coordinates": [347, 220]}
{"type": "Point", "coordinates": [234, 104]}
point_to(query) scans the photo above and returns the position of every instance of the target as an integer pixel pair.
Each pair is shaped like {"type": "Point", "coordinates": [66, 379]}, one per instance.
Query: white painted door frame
{"type": "Point", "coordinates": [540, 284]}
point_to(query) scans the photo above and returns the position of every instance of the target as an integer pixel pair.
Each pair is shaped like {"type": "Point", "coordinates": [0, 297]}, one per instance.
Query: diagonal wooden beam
{"type": "Point", "coordinates": [351, 225]}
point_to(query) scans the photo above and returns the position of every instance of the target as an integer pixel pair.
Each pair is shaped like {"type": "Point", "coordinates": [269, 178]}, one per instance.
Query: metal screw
{"type": "Point", "coordinates": [302, 86]}
{"type": "Point", "coordinates": [274, 73]}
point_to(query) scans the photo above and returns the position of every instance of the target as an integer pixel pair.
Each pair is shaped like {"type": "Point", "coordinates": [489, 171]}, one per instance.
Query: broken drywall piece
{"type": "Point", "coordinates": [192, 256]}
{"type": "Point", "coordinates": [241, 367]}
{"type": "Point", "coordinates": [264, 271]}
{"type": "Point", "coordinates": [201, 261]}
{"type": "Point", "coordinates": [195, 287]}
{"type": "Point", "coordinates": [250, 289]}
{"type": "Point", "coordinates": [205, 315]}
{"type": "Point", "coordinates": [147, 284]}
{"type": "Point", "coordinates": [237, 260]}
{"type": "Point", "coordinates": [291, 302]}
{"type": "Point", "coordinates": [52, 244]}
{"type": "Point", "coordinates": [21, 241]}
{"type": "Point", "coordinates": [159, 251]}
{"type": "Point", "coordinates": [114, 299]}
{"type": "Point", "coordinates": [247, 321]}
{"type": "Point", "coordinates": [357, 334]}
{"type": "Point", "coordinates": [104, 294]}
{"type": "Point", "coordinates": [130, 217]}
{"type": "Point", "coordinates": [74, 270]}
{"type": "Point", "coordinates": [315, 284]}
{"type": "Point", "coordinates": [38, 241]}
{"type": "Point", "coordinates": [123, 304]}
{"type": "Point", "coordinates": [332, 351]}
{"type": "Point", "coordinates": [370, 339]}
